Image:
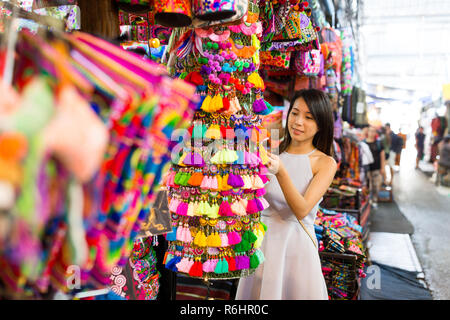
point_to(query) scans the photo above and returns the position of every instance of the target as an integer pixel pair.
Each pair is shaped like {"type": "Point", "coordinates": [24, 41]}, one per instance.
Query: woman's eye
{"type": "Point", "coordinates": [309, 118]}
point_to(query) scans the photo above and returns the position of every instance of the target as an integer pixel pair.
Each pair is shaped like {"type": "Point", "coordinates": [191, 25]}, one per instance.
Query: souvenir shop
{"type": "Point", "coordinates": [139, 174]}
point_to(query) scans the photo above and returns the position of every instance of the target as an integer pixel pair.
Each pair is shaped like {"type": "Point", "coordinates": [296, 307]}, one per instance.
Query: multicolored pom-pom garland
{"type": "Point", "coordinates": [216, 183]}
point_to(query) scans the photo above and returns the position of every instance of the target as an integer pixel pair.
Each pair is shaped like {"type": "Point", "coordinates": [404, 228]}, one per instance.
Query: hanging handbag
{"type": "Point", "coordinates": [241, 9]}
{"type": "Point", "coordinates": [214, 10]}
{"type": "Point", "coordinates": [158, 221]}
{"type": "Point", "coordinates": [173, 13]}
{"type": "Point", "coordinates": [308, 63]}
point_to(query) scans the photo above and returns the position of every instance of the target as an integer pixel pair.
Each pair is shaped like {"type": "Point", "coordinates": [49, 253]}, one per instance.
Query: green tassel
{"type": "Point", "coordinates": [224, 266]}
{"type": "Point", "coordinates": [254, 261]}
{"type": "Point", "coordinates": [178, 177]}
{"type": "Point", "coordinates": [185, 179]}
{"type": "Point", "coordinates": [251, 237]}
{"type": "Point", "coordinates": [218, 268]}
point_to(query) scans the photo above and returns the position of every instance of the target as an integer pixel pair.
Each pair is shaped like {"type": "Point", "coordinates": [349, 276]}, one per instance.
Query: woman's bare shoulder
{"type": "Point", "coordinates": [321, 161]}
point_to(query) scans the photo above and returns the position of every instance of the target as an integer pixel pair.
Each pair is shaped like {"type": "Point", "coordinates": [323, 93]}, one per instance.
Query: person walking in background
{"type": "Point", "coordinates": [399, 155]}
{"type": "Point", "coordinates": [376, 168]}
{"type": "Point", "coordinates": [395, 144]}
{"type": "Point", "coordinates": [443, 176]}
{"type": "Point", "coordinates": [420, 145]}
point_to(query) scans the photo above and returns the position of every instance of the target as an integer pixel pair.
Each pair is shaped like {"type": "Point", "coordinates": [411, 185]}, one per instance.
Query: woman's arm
{"type": "Point", "coordinates": [299, 204]}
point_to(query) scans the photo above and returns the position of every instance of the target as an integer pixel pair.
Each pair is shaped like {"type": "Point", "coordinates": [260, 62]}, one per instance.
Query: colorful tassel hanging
{"type": "Point", "coordinates": [180, 231]}
{"type": "Point", "coordinates": [235, 181]}
{"type": "Point", "coordinates": [264, 203]}
{"type": "Point", "coordinates": [238, 209]}
{"type": "Point", "coordinates": [223, 240]}
{"type": "Point", "coordinates": [173, 205]}
{"type": "Point", "coordinates": [213, 265]}
{"type": "Point", "coordinates": [225, 185]}
{"type": "Point", "coordinates": [231, 264]}
{"type": "Point", "coordinates": [172, 236]}
{"type": "Point", "coordinates": [200, 239]}
{"type": "Point", "coordinates": [226, 105]}
{"type": "Point", "coordinates": [237, 262]}
{"type": "Point", "coordinates": [260, 192]}
{"type": "Point", "coordinates": [225, 209]}
{"type": "Point", "coordinates": [213, 132]}
{"type": "Point", "coordinates": [250, 236]}
{"type": "Point", "coordinates": [245, 262]}
{"type": "Point", "coordinates": [214, 185]}
{"type": "Point", "coordinates": [254, 261]}
{"type": "Point", "coordinates": [206, 104]}
{"type": "Point", "coordinates": [264, 178]}
{"type": "Point", "coordinates": [260, 255]}
{"type": "Point", "coordinates": [252, 207]}
{"type": "Point", "coordinates": [182, 209]}
{"type": "Point", "coordinates": [172, 264]}
{"type": "Point", "coordinates": [247, 182]}
{"type": "Point", "coordinates": [257, 182]}
{"type": "Point", "coordinates": [205, 182]}
{"type": "Point", "coordinates": [206, 266]}
{"type": "Point", "coordinates": [258, 204]}
{"type": "Point", "coordinates": [196, 179]}
{"type": "Point", "coordinates": [259, 106]}
{"type": "Point", "coordinates": [196, 270]}
{"type": "Point", "coordinates": [234, 238]}
{"type": "Point", "coordinates": [194, 159]}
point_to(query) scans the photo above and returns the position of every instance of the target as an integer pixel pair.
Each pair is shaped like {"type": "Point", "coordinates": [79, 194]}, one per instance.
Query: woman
{"type": "Point", "coordinates": [301, 175]}
{"type": "Point", "coordinates": [376, 168]}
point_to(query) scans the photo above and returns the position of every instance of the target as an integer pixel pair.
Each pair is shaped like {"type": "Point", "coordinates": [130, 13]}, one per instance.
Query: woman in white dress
{"type": "Point", "coordinates": [301, 176]}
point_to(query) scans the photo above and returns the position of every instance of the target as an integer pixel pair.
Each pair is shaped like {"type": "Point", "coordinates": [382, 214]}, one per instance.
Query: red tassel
{"type": "Point", "coordinates": [231, 264]}
{"type": "Point", "coordinates": [196, 269]}
{"type": "Point", "coordinates": [226, 104]}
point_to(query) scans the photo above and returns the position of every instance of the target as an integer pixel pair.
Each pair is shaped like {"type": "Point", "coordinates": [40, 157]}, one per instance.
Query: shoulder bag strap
{"type": "Point", "coordinates": [309, 234]}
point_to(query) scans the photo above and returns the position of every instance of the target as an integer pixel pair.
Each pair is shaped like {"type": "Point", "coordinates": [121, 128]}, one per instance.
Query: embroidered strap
{"type": "Point", "coordinates": [309, 234]}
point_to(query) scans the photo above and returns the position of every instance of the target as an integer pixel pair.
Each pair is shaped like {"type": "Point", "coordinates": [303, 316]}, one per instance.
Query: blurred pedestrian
{"type": "Point", "coordinates": [399, 155]}
{"type": "Point", "coordinates": [376, 168]}
{"type": "Point", "coordinates": [420, 145]}
{"type": "Point", "coordinates": [395, 144]}
{"type": "Point", "coordinates": [444, 161]}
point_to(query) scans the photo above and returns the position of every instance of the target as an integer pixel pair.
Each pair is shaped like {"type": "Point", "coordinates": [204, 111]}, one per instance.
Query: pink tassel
{"type": "Point", "coordinates": [234, 238]}
{"type": "Point", "coordinates": [212, 265]}
{"type": "Point", "coordinates": [263, 170]}
{"type": "Point", "coordinates": [205, 183]}
{"type": "Point", "coordinates": [264, 178]}
{"type": "Point", "coordinates": [251, 207]}
{"type": "Point", "coordinates": [207, 266]}
{"type": "Point", "coordinates": [260, 192]}
{"type": "Point", "coordinates": [180, 233]}
{"type": "Point", "coordinates": [182, 209]}
{"type": "Point", "coordinates": [224, 240]}
{"type": "Point", "coordinates": [174, 203]}
{"type": "Point", "coordinates": [225, 209]}
{"type": "Point", "coordinates": [214, 185]}
{"type": "Point", "coordinates": [170, 179]}
{"type": "Point", "coordinates": [264, 203]}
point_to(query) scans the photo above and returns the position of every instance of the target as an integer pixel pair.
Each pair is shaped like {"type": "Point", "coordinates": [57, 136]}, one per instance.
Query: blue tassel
{"type": "Point", "coordinates": [172, 236]}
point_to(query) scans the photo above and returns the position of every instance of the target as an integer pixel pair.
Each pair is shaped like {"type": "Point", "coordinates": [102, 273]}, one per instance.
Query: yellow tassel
{"type": "Point", "coordinates": [263, 154]}
{"type": "Point", "coordinates": [206, 104]}
{"type": "Point", "coordinates": [213, 132]}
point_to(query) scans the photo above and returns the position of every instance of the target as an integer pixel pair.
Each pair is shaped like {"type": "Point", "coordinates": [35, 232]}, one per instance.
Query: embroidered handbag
{"type": "Point", "coordinates": [241, 10]}
{"type": "Point", "coordinates": [275, 59]}
{"type": "Point", "coordinates": [211, 10]}
{"type": "Point", "coordinates": [308, 63]}
{"type": "Point", "coordinates": [173, 13]}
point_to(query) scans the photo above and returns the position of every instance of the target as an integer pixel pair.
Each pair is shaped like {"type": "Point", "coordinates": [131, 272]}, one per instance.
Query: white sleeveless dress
{"type": "Point", "coordinates": [292, 268]}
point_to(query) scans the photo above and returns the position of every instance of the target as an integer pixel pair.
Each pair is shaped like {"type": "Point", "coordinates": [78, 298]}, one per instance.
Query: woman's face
{"type": "Point", "coordinates": [301, 124]}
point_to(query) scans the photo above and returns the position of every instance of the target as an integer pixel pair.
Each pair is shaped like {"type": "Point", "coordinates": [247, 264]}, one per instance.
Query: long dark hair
{"type": "Point", "coordinates": [320, 107]}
